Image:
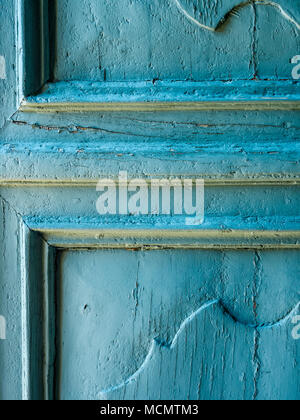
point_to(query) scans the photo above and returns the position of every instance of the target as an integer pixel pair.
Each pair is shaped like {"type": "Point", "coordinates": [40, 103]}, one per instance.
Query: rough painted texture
{"type": "Point", "coordinates": [214, 14]}
{"type": "Point", "coordinates": [10, 305]}
{"type": "Point", "coordinates": [48, 168]}
{"type": "Point", "coordinates": [235, 146]}
{"type": "Point", "coordinates": [10, 293]}
{"type": "Point", "coordinates": [226, 207]}
{"type": "Point", "coordinates": [7, 53]}
{"type": "Point", "coordinates": [120, 301]}
{"type": "Point", "coordinates": [182, 92]}
{"type": "Point", "coordinates": [146, 40]}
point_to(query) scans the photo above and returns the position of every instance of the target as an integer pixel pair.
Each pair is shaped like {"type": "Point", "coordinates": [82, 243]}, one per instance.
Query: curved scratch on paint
{"type": "Point", "coordinates": [136, 374]}
{"type": "Point", "coordinates": [159, 343]}
{"type": "Point", "coordinates": [264, 326]}
{"type": "Point", "coordinates": [190, 319]}
{"type": "Point", "coordinates": [238, 6]}
{"type": "Point", "coordinates": [186, 14]}
{"type": "Point", "coordinates": [281, 321]}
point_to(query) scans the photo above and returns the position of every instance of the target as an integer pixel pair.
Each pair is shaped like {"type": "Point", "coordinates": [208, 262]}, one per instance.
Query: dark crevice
{"type": "Point", "coordinates": [254, 43]}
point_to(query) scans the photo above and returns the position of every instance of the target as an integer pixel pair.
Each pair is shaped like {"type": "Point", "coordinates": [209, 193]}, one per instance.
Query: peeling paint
{"type": "Point", "coordinates": [2, 328]}
{"type": "Point", "coordinates": [2, 68]}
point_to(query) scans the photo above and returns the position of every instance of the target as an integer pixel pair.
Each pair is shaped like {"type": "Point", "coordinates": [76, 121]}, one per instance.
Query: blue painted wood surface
{"type": "Point", "coordinates": [143, 307]}
{"type": "Point", "coordinates": [144, 40]}
{"type": "Point", "coordinates": [215, 318]}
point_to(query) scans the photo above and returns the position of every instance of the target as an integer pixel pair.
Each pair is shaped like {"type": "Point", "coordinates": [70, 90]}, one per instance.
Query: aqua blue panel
{"type": "Point", "coordinates": [144, 40]}
{"type": "Point", "coordinates": [178, 325]}
{"type": "Point", "coordinates": [195, 317]}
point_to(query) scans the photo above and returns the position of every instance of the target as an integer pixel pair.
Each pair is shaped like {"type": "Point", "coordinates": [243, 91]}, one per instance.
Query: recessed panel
{"type": "Point", "coordinates": [133, 40]}
{"type": "Point", "coordinates": [175, 324]}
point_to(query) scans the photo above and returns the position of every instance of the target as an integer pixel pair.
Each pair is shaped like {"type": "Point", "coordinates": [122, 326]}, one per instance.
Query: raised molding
{"type": "Point", "coordinates": [32, 46]}
{"type": "Point", "coordinates": [25, 318]}
{"type": "Point", "coordinates": [38, 373]}
{"type": "Point", "coordinates": [73, 107]}
{"type": "Point", "coordinates": [126, 232]}
{"type": "Point", "coordinates": [77, 97]}
{"type": "Point", "coordinates": [37, 303]}
{"type": "Point", "coordinates": [38, 244]}
{"type": "Point", "coordinates": [34, 69]}
{"type": "Point", "coordinates": [209, 182]}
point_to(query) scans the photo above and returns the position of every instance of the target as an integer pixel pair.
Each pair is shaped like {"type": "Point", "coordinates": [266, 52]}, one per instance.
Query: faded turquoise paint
{"type": "Point", "coordinates": [211, 321]}
{"type": "Point", "coordinates": [201, 351]}
{"type": "Point", "coordinates": [146, 40]}
{"type": "Point", "coordinates": [155, 91]}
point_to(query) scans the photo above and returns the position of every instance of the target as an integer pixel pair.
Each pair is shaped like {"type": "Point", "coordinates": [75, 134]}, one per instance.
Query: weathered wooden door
{"type": "Point", "coordinates": [142, 304]}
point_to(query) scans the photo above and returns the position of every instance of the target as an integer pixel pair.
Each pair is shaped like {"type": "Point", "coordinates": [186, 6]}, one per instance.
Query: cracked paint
{"type": "Point", "coordinates": [232, 8]}
{"type": "Point", "coordinates": [159, 344]}
{"type": "Point", "coordinates": [2, 68]}
{"type": "Point", "coordinates": [128, 285]}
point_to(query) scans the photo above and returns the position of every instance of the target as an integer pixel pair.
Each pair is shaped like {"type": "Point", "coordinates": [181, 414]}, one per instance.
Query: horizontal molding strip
{"type": "Point", "coordinates": [177, 239]}
{"type": "Point", "coordinates": [160, 96]}
{"type": "Point", "coordinates": [69, 107]}
{"type": "Point", "coordinates": [92, 183]}
{"type": "Point", "coordinates": [142, 231]}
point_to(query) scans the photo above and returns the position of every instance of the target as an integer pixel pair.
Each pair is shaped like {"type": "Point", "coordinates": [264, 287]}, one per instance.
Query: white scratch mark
{"type": "Point", "coordinates": [282, 11]}
{"type": "Point", "coordinates": [280, 322]}
{"type": "Point", "coordinates": [191, 17]}
{"type": "Point", "coordinates": [242, 4]}
{"type": "Point", "coordinates": [156, 343]}
{"type": "Point", "coordinates": [2, 68]}
{"type": "Point", "coordinates": [133, 377]}
{"type": "Point", "coordinates": [190, 319]}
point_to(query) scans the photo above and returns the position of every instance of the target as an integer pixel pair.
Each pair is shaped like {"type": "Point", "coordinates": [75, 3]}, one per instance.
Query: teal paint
{"type": "Point", "coordinates": [2, 328]}
{"type": "Point", "coordinates": [154, 40]}
{"type": "Point", "coordinates": [61, 290]}
{"type": "Point", "coordinates": [140, 92]}
{"type": "Point", "coordinates": [2, 68]}
{"type": "Point", "coordinates": [136, 386]}
{"type": "Point", "coordinates": [207, 351]}
{"type": "Point", "coordinates": [214, 17]}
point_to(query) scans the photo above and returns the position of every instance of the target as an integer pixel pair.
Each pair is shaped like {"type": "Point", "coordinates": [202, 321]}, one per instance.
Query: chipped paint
{"type": "Point", "coordinates": [2, 68]}
{"type": "Point", "coordinates": [2, 328]}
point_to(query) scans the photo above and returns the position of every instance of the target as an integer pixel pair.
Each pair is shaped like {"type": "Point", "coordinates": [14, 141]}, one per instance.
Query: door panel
{"type": "Point", "coordinates": [143, 40]}
{"type": "Point", "coordinates": [175, 324]}
{"type": "Point", "coordinates": [146, 307]}
{"type": "Point", "coordinates": [140, 40]}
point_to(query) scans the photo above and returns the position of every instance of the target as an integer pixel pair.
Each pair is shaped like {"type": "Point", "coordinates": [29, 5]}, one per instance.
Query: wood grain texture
{"type": "Point", "coordinates": [235, 146]}
{"type": "Point", "coordinates": [213, 15]}
{"type": "Point", "coordinates": [10, 305]}
{"type": "Point", "coordinates": [145, 41]}
{"type": "Point", "coordinates": [220, 350]}
{"type": "Point", "coordinates": [7, 51]}
{"type": "Point", "coordinates": [164, 97]}
{"type": "Point", "coordinates": [80, 290]}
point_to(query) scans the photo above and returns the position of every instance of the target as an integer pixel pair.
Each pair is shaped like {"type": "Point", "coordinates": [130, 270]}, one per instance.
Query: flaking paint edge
{"type": "Point", "coordinates": [2, 68]}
